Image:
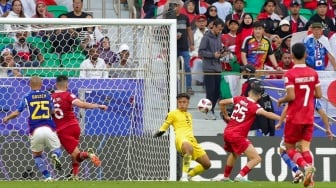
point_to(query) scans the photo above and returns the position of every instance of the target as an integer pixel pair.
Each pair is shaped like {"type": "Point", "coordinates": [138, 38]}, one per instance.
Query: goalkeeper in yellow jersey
{"type": "Point", "coordinates": [185, 141]}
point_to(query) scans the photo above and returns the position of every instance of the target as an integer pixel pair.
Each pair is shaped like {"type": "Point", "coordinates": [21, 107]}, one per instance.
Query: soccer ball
{"type": "Point", "coordinates": [204, 105]}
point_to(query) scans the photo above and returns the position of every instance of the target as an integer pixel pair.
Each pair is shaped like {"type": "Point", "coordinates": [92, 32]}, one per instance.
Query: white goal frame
{"type": "Point", "coordinates": [127, 22]}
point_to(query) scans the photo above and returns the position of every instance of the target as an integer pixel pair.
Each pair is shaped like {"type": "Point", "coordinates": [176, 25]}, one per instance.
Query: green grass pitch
{"type": "Point", "coordinates": [153, 184]}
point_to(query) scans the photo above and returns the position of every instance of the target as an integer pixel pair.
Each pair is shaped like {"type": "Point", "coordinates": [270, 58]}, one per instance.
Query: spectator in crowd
{"type": "Point", "coordinates": [89, 36]}
{"type": "Point", "coordinates": [320, 16]}
{"type": "Point", "coordinates": [211, 14]}
{"type": "Point", "coordinates": [24, 53]}
{"type": "Point", "coordinates": [196, 61]}
{"type": "Point", "coordinates": [229, 39]}
{"type": "Point", "coordinates": [77, 10]}
{"type": "Point", "coordinates": [318, 47]}
{"type": "Point", "coordinates": [185, 41]}
{"type": "Point", "coordinates": [257, 48]}
{"type": "Point", "coordinates": [5, 8]}
{"type": "Point", "coordinates": [286, 62]}
{"type": "Point", "coordinates": [106, 53]}
{"type": "Point", "coordinates": [245, 30]}
{"type": "Point", "coordinates": [211, 51]}
{"type": "Point", "coordinates": [296, 21]}
{"type": "Point", "coordinates": [277, 49]}
{"type": "Point", "coordinates": [238, 11]}
{"type": "Point", "coordinates": [64, 40]}
{"type": "Point", "coordinates": [224, 8]}
{"type": "Point", "coordinates": [41, 10]}
{"type": "Point", "coordinates": [280, 9]}
{"type": "Point", "coordinates": [17, 10]}
{"type": "Point", "coordinates": [269, 18]}
{"type": "Point", "coordinates": [125, 63]}
{"type": "Point", "coordinates": [286, 43]}
{"type": "Point", "coordinates": [188, 9]}
{"type": "Point", "coordinates": [93, 62]}
{"type": "Point", "coordinates": [7, 60]}
{"type": "Point", "coordinates": [284, 29]}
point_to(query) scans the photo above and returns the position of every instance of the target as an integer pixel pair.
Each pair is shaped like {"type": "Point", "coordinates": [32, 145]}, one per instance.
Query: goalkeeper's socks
{"type": "Point", "coordinates": [39, 162]}
{"type": "Point", "coordinates": [197, 170]}
{"type": "Point", "coordinates": [289, 162]}
{"type": "Point", "coordinates": [186, 163]}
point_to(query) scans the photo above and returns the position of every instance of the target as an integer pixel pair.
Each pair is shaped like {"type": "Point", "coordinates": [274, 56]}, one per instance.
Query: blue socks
{"type": "Point", "coordinates": [58, 152]}
{"type": "Point", "coordinates": [39, 162]}
{"type": "Point", "coordinates": [289, 162]}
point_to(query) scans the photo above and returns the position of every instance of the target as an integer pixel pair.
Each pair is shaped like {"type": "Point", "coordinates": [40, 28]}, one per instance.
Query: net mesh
{"type": "Point", "coordinates": [137, 102]}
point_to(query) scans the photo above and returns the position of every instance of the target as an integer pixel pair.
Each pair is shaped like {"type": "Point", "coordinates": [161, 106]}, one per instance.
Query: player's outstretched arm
{"type": "Point", "coordinates": [87, 105]}
{"type": "Point", "coordinates": [10, 116]}
{"type": "Point", "coordinates": [269, 115]}
{"type": "Point", "coordinates": [325, 121]}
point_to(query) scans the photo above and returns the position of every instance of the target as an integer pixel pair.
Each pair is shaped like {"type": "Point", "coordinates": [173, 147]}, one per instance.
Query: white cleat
{"type": "Point", "coordinates": [49, 179]}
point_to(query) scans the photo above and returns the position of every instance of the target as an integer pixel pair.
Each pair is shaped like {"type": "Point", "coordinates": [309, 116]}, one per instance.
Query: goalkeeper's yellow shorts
{"type": "Point", "coordinates": [198, 151]}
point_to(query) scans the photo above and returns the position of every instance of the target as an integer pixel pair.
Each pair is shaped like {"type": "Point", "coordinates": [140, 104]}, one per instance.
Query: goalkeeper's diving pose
{"type": "Point", "coordinates": [185, 141]}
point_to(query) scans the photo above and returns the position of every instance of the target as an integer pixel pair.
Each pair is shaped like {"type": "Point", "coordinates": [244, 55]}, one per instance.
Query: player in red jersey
{"type": "Point", "coordinates": [236, 131]}
{"type": "Point", "coordinates": [302, 85]}
{"type": "Point", "coordinates": [67, 126]}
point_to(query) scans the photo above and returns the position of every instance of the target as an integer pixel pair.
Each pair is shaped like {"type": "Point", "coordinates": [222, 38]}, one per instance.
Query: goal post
{"type": "Point", "coordinates": [138, 102]}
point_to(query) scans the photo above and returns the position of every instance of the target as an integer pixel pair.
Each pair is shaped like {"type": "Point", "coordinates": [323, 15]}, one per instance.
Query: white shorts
{"type": "Point", "coordinates": [44, 137]}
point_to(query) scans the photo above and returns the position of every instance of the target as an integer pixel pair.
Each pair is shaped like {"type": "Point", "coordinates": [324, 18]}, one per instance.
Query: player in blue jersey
{"type": "Point", "coordinates": [41, 127]}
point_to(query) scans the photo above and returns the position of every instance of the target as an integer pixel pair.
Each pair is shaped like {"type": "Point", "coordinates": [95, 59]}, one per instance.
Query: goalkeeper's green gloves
{"type": "Point", "coordinates": [158, 134]}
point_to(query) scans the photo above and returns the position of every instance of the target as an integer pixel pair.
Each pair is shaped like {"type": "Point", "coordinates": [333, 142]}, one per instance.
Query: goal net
{"type": "Point", "coordinates": [137, 93]}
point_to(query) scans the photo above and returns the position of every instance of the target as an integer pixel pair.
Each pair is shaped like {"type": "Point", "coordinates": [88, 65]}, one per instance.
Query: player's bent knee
{"type": "Point", "coordinates": [258, 159]}
{"type": "Point", "coordinates": [206, 165]}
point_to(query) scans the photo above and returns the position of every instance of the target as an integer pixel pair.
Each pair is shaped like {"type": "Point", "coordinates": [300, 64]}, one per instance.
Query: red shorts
{"type": "Point", "coordinates": [296, 132]}
{"type": "Point", "coordinates": [69, 137]}
{"type": "Point", "coordinates": [234, 144]}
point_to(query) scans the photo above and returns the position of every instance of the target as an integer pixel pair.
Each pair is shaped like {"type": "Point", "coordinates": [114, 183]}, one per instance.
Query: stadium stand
{"type": "Point", "coordinates": [57, 10]}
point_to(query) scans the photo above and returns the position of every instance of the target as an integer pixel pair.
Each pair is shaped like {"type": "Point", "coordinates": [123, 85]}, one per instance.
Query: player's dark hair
{"type": "Point", "coordinates": [257, 87]}
{"type": "Point", "coordinates": [218, 22]}
{"type": "Point", "coordinates": [183, 95]}
{"type": "Point", "coordinates": [61, 78]}
{"type": "Point", "coordinates": [298, 50]}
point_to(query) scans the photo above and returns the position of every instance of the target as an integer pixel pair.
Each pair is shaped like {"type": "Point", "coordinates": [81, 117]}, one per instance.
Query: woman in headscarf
{"type": "Point", "coordinates": [245, 30]}
{"type": "Point", "coordinates": [211, 14]}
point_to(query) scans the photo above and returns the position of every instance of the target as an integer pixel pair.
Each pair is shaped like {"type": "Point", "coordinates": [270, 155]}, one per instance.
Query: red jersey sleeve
{"type": "Point", "coordinates": [71, 97]}
{"type": "Point", "coordinates": [289, 81]}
